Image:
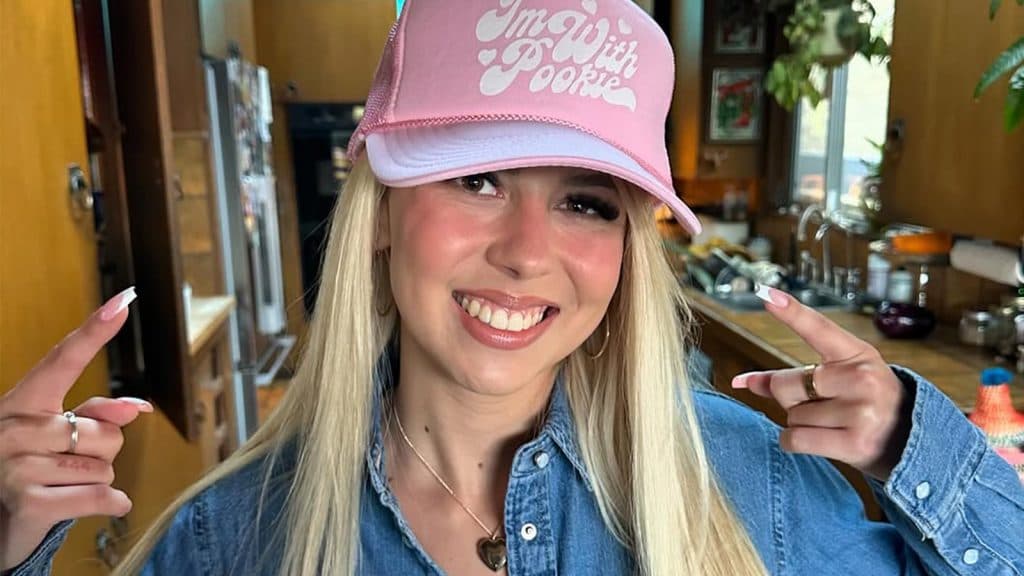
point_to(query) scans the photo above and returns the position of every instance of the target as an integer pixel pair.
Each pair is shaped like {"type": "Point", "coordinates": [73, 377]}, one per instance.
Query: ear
{"type": "Point", "coordinates": [382, 237]}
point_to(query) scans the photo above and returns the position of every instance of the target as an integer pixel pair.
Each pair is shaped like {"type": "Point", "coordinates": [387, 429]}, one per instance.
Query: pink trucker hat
{"type": "Point", "coordinates": [470, 86]}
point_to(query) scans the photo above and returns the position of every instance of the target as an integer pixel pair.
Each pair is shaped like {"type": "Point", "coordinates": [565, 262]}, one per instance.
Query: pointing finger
{"type": "Point", "coordinates": [44, 387]}
{"type": "Point", "coordinates": [823, 335]}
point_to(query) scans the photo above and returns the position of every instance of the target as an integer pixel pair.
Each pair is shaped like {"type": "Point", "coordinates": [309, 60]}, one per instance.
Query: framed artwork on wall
{"type": "Point", "coordinates": [738, 29]}
{"type": "Point", "coordinates": [737, 105]}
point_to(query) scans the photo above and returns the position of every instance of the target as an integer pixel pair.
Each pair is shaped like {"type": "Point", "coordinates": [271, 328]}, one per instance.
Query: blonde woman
{"type": "Point", "coordinates": [495, 378]}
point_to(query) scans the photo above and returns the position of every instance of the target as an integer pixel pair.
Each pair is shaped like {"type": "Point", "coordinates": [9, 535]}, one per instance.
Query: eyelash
{"type": "Point", "coordinates": [585, 205]}
{"type": "Point", "coordinates": [592, 207]}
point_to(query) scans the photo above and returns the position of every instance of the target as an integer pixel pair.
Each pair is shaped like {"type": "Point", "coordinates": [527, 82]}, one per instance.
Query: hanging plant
{"type": "Point", "coordinates": [822, 34]}
{"type": "Point", "coordinates": [1012, 59]}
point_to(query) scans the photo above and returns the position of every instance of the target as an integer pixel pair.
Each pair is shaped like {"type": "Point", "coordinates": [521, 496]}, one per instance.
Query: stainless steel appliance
{"type": "Point", "coordinates": [240, 117]}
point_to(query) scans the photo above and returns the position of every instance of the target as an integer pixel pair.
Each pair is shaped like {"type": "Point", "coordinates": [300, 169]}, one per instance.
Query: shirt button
{"type": "Point", "coordinates": [971, 557]}
{"type": "Point", "coordinates": [923, 490]}
{"type": "Point", "coordinates": [528, 532]}
{"type": "Point", "coordinates": [541, 459]}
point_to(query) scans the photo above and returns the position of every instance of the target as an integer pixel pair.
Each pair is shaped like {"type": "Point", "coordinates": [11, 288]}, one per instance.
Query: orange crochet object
{"type": "Point", "coordinates": [995, 415]}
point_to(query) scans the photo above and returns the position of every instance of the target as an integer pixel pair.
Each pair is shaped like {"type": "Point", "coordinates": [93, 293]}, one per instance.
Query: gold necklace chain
{"type": "Point", "coordinates": [490, 533]}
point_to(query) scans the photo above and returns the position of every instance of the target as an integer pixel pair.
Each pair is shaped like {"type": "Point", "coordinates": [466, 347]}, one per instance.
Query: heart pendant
{"type": "Point", "coordinates": [492, 552]}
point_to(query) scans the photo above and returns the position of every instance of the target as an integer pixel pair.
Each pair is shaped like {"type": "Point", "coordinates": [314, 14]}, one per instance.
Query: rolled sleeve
{"type": "Point", "coordinates": [958, 504]}
{"type": "Point", "coordinates": [40, 561]}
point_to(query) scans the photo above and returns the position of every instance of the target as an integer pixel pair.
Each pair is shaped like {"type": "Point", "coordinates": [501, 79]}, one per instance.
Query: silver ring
{"type": "Point", "coordinates": [73, 420]}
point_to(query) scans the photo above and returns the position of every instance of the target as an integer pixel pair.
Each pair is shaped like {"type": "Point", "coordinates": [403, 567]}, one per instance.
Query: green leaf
{"type": "Point", "coordinates": [1013, 112]}
{"type": "Point", "coordinates": [993, 7]}
{"type": "Point", "coordinates": [1008, 60]}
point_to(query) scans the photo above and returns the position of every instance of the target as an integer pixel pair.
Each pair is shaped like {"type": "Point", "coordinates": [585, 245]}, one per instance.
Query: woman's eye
{"type": "Point", "coordinates": [591, 206]}
{"type": "Point", "coordinates": [482, 184]}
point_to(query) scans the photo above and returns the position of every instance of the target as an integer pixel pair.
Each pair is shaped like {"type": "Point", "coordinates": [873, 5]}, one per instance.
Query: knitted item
{"type": "Point", "coordinates": [995, 415]}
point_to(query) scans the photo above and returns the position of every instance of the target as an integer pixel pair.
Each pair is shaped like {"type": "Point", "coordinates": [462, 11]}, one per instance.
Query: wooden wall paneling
{"type": "Point", "coordinates": [48, 266]}
{"type": "Point", "coordinates": [687, 37]}
{"type": "Point", "coordinates": [327, 48]}
{"type": "Point", "coordinates": [957, 169]}
{"type": "Point", "coordinates": [740, 159]}
{"type": "Point", "coordinates": [185, 77]}
{"type": "Point", "coordinates": [226, 23]}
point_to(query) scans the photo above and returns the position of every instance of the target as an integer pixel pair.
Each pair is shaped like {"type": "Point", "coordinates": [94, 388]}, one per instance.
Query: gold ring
{"type": "Point", "coordinates": [73, 420]}
{"type": "Point", "coordinates": [809, 387]}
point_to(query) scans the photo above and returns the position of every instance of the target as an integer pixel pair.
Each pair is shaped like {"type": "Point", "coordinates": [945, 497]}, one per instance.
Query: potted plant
{"type": "Point", "coordinates": [1011, 59]}
{"type": "Point", "coordinates": [871, 185]}
{"type": "Point", "coordinates": [822, 34]}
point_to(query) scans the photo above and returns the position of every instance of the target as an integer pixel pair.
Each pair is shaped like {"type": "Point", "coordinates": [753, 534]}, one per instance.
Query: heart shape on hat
{"type": "Point", "coordinates": [485, 57]}
{"type": "Point", "coordinates": [624, 27]}
{"type": "Point", "coordinates": [590, 6]}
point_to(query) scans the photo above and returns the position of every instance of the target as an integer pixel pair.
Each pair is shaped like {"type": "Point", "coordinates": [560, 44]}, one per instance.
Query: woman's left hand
{"type": "Point", "coordinates": [861, 415]}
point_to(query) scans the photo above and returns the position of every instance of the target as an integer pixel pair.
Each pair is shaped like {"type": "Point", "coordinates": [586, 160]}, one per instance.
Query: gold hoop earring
{"type": "Point", "coordinates": [604, 345]}
{"type": "Point", "coordinates": [380, 263]}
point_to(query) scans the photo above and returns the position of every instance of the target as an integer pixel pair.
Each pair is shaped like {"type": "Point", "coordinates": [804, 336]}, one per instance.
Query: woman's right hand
{"type": "Point", "coordinates": [41, 481]}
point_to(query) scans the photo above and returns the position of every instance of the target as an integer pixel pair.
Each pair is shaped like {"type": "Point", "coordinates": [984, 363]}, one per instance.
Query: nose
{"type": "Point", "coordinates": [522, 244]}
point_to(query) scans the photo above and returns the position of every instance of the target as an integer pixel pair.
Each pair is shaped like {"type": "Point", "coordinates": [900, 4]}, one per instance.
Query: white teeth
{"type": "Point", "coordinates": [515, 322]}
{"type": "Point", "coordinates": [499, 319]}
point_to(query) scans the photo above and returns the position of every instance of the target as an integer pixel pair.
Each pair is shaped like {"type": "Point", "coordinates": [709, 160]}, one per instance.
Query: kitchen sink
{"type": "Point", "coordinates": [813, 297]}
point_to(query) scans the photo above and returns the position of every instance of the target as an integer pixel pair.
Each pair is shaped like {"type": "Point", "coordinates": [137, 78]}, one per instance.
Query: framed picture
{"type": "Point", "coordinates": [739, 30]}
{"type": "Point", "coordinates": [736, 108]}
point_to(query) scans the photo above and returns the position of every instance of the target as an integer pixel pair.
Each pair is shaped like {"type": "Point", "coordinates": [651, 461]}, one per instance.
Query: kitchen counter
{"type": "Point", "coordinates": [952, 367]}
{"type": "Point", "coordinates": [208, 314]}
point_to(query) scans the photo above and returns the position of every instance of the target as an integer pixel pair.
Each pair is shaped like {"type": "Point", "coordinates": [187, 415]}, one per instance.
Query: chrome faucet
{"type": "Point", "coordinates": [826, 253]}
{"type": "Point", "coordinates": [812, 211]}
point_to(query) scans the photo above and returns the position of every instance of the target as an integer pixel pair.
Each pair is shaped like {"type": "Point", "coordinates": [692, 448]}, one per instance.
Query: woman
{"type": "Point", "coordinates": [494, 380]}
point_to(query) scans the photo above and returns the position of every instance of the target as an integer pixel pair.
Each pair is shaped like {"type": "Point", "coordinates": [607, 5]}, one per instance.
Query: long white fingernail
{"type": "Point", "coordinates": [771, 295]}
{"type": "Point", "coordinates": [118, 303]}
{"type": "Point", "coordinates": [143, 405]}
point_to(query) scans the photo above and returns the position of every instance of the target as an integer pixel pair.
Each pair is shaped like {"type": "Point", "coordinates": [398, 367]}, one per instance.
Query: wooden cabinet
{"type": "Point", "coordinates": [956, 169]}
{"type": "Point", "coordinates": [212, 374]}
{"type": "Point", "coordinates": [161, 88]}
{"type": "Point", "coordinates": [186, 80]}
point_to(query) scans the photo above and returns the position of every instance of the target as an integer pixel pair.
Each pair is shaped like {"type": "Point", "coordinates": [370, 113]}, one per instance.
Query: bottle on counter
{"type": "Point", "coordinates": [901, 286]}
{"type": "Point", "coordinates": [878, 277]}
{"type": "Point", "coordinates": [897, 317]}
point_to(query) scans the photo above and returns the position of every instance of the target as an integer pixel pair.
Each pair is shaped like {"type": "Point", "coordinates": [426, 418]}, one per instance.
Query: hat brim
{"type": "Point", "coordinates": [410, 156]}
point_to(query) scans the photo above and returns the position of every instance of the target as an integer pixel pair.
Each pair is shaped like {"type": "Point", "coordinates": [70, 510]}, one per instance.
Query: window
{"type": "Point", "coordinates": [836, 143]}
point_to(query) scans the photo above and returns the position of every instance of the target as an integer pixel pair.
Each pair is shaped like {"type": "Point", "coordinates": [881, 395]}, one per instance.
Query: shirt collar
{"type": "Point", "coordinates": [558, 425]}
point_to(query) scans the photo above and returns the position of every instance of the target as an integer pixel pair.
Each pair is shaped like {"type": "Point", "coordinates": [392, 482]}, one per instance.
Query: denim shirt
{"type": "Point", "coordinates": [954, 506]}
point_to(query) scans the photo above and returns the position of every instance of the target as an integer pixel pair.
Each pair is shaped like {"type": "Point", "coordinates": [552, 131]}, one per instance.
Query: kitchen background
{"type": "Point", "coordinates": [194, 148]}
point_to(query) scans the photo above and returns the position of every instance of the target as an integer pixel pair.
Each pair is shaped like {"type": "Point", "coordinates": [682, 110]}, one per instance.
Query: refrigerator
{"type": "Point", "coordinates": [241, 113]}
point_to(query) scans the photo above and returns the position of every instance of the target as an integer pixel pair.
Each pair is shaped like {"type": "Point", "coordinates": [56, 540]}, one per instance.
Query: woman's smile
{"type": "Point", "coordinates": [503, 321]}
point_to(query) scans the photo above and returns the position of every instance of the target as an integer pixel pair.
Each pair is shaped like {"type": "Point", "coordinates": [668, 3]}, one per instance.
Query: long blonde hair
{"type": "Point", "coordinates": [635, 421]}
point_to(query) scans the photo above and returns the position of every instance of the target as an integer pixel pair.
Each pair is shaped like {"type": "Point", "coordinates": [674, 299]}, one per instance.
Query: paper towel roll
{"type": "Point", "coordinates": [988, 261]}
